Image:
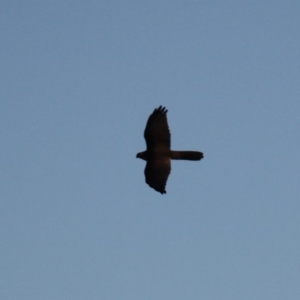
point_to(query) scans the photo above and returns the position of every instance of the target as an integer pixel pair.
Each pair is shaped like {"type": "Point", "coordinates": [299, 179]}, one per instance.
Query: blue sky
{"type": "Point", "coordinates": [78, 82]}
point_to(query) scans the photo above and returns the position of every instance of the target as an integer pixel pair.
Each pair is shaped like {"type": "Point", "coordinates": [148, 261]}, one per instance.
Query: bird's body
{"type": "Point", "coordinates": [158, 154]}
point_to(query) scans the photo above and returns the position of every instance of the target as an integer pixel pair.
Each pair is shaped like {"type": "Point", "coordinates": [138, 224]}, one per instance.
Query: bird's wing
{"type": "Point", "coordinates": [157, 171]}
{"type": "Point", "coordinates": [157, 133]}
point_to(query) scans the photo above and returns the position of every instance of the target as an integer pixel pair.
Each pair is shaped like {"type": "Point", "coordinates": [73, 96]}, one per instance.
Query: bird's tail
{"type": "Point", "coordinates": [187, 155]}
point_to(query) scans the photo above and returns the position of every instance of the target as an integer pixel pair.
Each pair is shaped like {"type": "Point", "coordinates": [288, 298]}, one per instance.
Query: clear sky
{"type": "Point", "coordinates": [78, 82]}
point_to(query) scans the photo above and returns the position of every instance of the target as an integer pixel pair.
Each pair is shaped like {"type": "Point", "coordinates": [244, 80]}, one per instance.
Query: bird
{"type": "Point", "coordinates": [158, 153]}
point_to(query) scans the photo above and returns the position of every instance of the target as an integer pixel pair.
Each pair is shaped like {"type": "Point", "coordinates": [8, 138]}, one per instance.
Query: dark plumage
{"type": "Point", "coordinates": [159, 154]}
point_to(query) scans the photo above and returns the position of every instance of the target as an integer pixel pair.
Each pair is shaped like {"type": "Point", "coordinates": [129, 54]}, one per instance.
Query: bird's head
{"type": "Point", "coordinates": [142, 155]}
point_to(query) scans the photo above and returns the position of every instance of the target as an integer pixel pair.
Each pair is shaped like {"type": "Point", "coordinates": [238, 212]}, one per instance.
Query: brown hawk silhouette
{"type": "Point", "coordinates": [159, 154]}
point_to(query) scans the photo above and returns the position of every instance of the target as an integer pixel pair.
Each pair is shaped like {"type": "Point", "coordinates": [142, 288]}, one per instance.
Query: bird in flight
{"type": "Point", "coordinates": [159, 154]}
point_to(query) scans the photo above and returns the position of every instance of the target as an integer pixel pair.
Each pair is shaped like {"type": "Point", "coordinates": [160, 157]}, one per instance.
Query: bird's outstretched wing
{"type": "Point", "coordinates": [157, 172]}
{"type": "Point", "coordinates": [157, 133]}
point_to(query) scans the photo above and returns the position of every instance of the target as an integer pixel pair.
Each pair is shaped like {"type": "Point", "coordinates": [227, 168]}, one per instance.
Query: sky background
{"type": "Point", "coordinates": [78, 82]}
